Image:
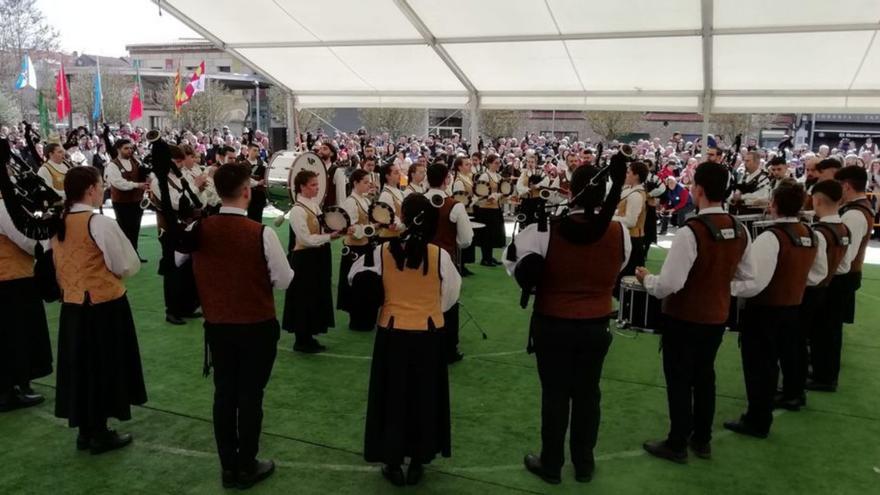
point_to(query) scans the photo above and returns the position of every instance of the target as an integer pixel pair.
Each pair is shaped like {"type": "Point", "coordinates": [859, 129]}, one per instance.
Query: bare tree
{"type": "Point", "coordinates": [9, 114]}
{"type": "Point", "coordinates": [208, 109]}
{"type": "Point", "coordinates": [500, 123]}
{"type": "Point", "coordinates": [116, 89]}
{"type": "Point", "coordinates": [25, 30]}
{"type": "Point", "coordinates": [395, 121]}
{"type": "Point", "coordinates": [729, 125]}
{"type": "Point", "coordinates": [612, 125]}
{"type": "Point", "coordinates": [308, 119]}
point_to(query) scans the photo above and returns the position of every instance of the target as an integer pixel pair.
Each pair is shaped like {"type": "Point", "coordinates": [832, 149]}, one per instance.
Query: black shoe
{"type": "Point", "coordinates": [743, 427]}
{"type": "Point", "coordinates": [143, 260]}
{"type": "Point", "coordinates": [194, 314]}
{"type": "Point", "coordinates": [820, 386]}
{"type": "Point", "coordinates": [534, 466]}
{"type": "Point", "coordinates": [487, 263]}
{"type": "Point", "coordinates": [109, 440]}
{"type": "Point", "coordinates": [16, 399]}
{"type": "Point", "coordinates": [701, 450]}
{"type": "Point", "coordinates": [465, 272]}
{"type": "Point", "coordinates": [414, 473]}
{"type": "Point", "coordinates": [584, 474]}
{"type": "Point", "coordinates": [229, 478]}
{"type": "Point", "coordinates": [394, 474]}
{"type": "Point", "coordinates": [789, 404]}
{"type": "Point", "coordinates": [260, 471]}
{"type": "Point", "coordinates": [174, 320]}
{"type": "Point", "coordinates": [662, 450]}
{"type": "Point", "coordinates": [311, 347]}
{"type": "Point", "coordinates": [455, 358]}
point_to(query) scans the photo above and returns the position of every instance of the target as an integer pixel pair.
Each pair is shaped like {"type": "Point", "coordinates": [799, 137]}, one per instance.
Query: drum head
{"type": "Point", "coordinates": [335, 219]}
{"type": "Point", "coordinates": [482, 189]}
{"type": "Point", "coordinates": [309, 161]}
{"type": "Point", "coordinates": [506, 188]}
{"type": "Point", "coordinates": [382, 214]}
{"type": "Point", "coordinates": [630, 281]}
{"type": "Point", "coordinates": [462, 197]}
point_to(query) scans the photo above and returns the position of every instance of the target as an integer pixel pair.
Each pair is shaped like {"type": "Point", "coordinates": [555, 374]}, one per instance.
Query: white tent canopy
{"type": "Point", "coordinates": [674, 55]}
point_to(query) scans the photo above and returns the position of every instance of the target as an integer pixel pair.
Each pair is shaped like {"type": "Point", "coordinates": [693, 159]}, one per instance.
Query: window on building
{"type": "Point", "coordinates": [224, 68]}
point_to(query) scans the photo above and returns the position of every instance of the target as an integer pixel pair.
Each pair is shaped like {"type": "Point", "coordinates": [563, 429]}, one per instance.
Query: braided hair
{"type": "Point", "coordinates": [410, 250]}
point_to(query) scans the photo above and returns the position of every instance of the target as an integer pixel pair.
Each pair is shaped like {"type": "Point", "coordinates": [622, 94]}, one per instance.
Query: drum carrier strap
{"type": "Point", "coordinates": [728, 234]}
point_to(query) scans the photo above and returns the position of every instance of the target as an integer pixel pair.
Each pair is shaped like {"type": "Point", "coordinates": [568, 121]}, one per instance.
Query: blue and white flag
{"type": "Point", "coordinates": [99, 97]}
{"type": "Point", "coordinates": [27, 77]}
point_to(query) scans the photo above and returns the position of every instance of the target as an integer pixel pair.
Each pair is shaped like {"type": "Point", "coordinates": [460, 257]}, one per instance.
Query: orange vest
{"type": "Point", "coordinates": [312, 222]}
{"type": "Point", "coordinates": [81, 271]}
{"type": "Point", "coordinates": [578, 279]}
{"type": "Point", "coordinates": [705, 297]}
{"type": "Point", "coordinates": [383, 232]}
{"type": "Point", "coordinates": [639, 229]}
{"type": "Point", "coordinates": [363, 218]}
{"type": "Point", "coordinates": [15, 263]}
{"type": "Point", "coordinates": [412, 298]}
{"type": "Point", "coordinates": [57, 176]}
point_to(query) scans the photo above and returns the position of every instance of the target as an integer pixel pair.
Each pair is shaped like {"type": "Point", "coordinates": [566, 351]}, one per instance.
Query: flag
{"type": "Point", "coordinates": [28, 76]}
{"type": "Point", "coordinates": [179, 98]}
{"type": "Point", "coordinates": [99, 95]}
{"type": "Point", "coordinates": [136, 111]}
{"type": "Point", "coordinates": [62, 95]}
{"type": "Point", "coordinates": [44, 115]}
{"type": "Point", "coordinates": [196, 83]}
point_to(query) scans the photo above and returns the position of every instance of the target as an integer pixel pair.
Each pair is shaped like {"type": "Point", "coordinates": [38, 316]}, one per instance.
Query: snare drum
{"type": "Point", "coordinates": [335, 219]}
{"type": "Point", "coordinates": [638, 309]}
{"type": "Point", "coordinates": [381, 214]}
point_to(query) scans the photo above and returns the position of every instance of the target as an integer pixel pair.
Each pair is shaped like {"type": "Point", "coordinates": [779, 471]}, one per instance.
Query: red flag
{"type": "Point", "coordinates": [136, 110]}
{"type": "Point", "coordinates": [197, 81]}
{"type": "Point", "coordinates": [62, 94]}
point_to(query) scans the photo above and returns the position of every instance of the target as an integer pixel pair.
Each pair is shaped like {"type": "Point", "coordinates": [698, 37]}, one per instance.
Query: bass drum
{"type": "Point", "coordinates": [311, 162]}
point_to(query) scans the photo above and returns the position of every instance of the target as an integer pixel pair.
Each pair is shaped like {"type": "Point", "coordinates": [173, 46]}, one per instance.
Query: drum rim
{"type": "Point", "coordinates": [338, 210]}
{"type": "Point", "coordinates": [383, 206]}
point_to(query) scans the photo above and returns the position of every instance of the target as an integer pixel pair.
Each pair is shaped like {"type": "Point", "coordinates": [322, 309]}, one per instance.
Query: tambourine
{"type": "Point", "coordinates": [364, 231]}
{"type": "Point", "coordinates": [462, 197]}
{"type": "Point", "coordinates": [505, 188]}
{"type": "Point", "coordinates": [381, 214]}
{"type": "Point", "coordinates": [335, 219]}
{"type": "Point", "coordinates": [482, 189]}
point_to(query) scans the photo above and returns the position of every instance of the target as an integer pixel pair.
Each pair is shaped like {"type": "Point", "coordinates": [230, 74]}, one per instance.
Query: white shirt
{"type": "Point", "coordinates": [8, 229]}
{"type": "Point", "coordinates": [173, 193]}
{"type": "Point", "coordinates": [522, 185]}
{"type": "Point", "coordinates": [299, 222]}
{"type": "Point", "coordinates": [495, 177]}
{"type": "Point", "coordinates": [280, 272]}
{"type": "Point", "coordinates": [450, 280]}
{"type": "Point", "coordinates": [634, 205]}
{"type": "Point", "coordinates": [464, 231]}
{"type": "Point", "coordinates": [764, 254]}
{"type": "Point", "coordinates": [339, 182]}
{"type": "Point", "coordinates": [413, 188]}
{"type": "Point", "coordinates": [858, 228]}
{"type": "Point", "coordinates": [532, 241]}
{"type": "Point", "coordinates": [388, 196]}
{"type": "Point", "coordinates": [44, 174]}
{"type": "Point", "coordinates": [681, 257]}
{"type": "Point", "coordinates": [113, 176]}
{"type": "Point", "coordinates": [459, 184]}
{"type": "Point", "coordinates": [119, 256]}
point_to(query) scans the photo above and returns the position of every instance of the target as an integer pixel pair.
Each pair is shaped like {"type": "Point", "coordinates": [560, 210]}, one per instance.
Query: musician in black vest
{"type": "Point", "coordinates": [752, 192]}
{"type": "Point", "coordinates": [569, 328]}
{"type": "Point", "coordinates": [788, 256]}
{"type": "Point", "coordinates": [258, 183]}
{"type": "Point", "coordinates": [237, 262]}
{"type": "Point", "coordinates": [127, 188]}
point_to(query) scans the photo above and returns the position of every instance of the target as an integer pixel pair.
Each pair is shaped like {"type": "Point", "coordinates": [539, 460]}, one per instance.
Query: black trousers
{"type": "Point", "coordinates": [689, 351]}
{"type": "Point", "coordinates": [255, 207]}
{"type": "Point", "coordinates": [570, 355]}
{"type": "Point", "coordinates": [243, 356]}
{"type": "Point", "coordinates": [636, 258]}
{"type": "Point", "coordinates": [762, 334]}
{"type": "Point", "coordinates": [826, 339]}
{"type": "Point", "coordinates": [450, 330]}
{"type": "Point", "coordinates": [128, 216]}
{"type": "Point", "coordinates": [795, 358]}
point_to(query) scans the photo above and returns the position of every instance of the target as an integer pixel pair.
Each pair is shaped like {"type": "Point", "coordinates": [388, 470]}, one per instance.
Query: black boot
{"type": "Point", "coordinates": [535, 466]}
{"type": "Point", "coordinates": [662, 450]}
{"type": "Point", "coordinates": [394, 474]}
{"type": "Point", "coordinates": [256, 473]}
{"type": "Point", "coordinates": [108, 440]}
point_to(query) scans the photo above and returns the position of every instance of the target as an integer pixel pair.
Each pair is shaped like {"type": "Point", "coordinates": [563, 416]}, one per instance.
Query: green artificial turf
{"type": "Point", "coordinates": [315, 406]}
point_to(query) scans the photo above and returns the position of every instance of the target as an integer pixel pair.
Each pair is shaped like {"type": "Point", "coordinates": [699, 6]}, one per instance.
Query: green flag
{"type": "Point", "coordinates": [44, 115]}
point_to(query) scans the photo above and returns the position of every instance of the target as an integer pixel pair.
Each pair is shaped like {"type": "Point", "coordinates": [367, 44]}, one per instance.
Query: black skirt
{"type": "Point", "coordinates": [25, 349]}
{"type": "Point", "coordinates": [343, 289]}
{"type": "Point", "coordinates": [99, 364]}
{"type": "Point", "coordinates": [492, 235]}
{"type": "Point", "coordinates": [308, 303]}
{"type": "Point", "coordinates": [408, 402]}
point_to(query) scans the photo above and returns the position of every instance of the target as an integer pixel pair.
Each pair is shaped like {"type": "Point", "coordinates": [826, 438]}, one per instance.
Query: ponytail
{"type": "Point", "coordinates": [410, 250]}
{"type": "Point", "coordinates": [76, 182]}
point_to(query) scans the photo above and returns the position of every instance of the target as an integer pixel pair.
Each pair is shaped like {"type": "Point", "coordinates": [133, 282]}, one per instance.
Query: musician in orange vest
{"type": "Point", "coordinates": [25, 350]}
{"type": "Point", "coordinates": [360, 316]}
{"type": "Point", "coordinates": [127, 188]}
{"type": "Point", "coordinates": [237, 262]}
{"type": "Point", "coordinates": [858, 216]}
{"type": "Point", "coordinates": [569, 328]}
{"type": "Point", "coordinates": [695, 286]}
{"type": "Point", "coordinates": [787, 257]}
{"type": "Point", "coordinates": [454, 233]}
{"type": "Point", "coordinates": [631, 213]}
{"type": "Point", "coordinates": [795, 362]}
{"type": "Point", "coordinates": [99, 366]}
{"type": "Point", "coordinates": [408, 403]}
